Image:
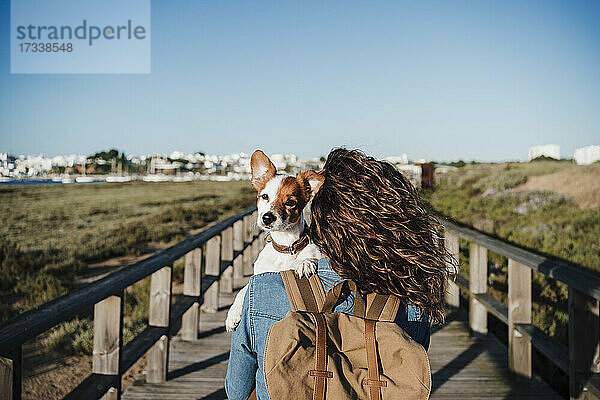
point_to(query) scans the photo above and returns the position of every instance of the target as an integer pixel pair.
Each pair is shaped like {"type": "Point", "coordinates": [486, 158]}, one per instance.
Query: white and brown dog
{"type": "Point", "coordinates": [281, 201]}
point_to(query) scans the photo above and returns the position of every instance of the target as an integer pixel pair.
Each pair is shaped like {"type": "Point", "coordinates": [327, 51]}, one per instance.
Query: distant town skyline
{"type": "Point", "coordinates": [443, 81]}
{"type": "Point", "coordinates": [549, 150]}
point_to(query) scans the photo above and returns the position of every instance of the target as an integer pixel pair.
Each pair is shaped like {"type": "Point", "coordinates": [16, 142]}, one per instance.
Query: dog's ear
{"type": "Point", "coordinates": [262, 170]}
{"type": "Point", "coordinates": [311, 181]}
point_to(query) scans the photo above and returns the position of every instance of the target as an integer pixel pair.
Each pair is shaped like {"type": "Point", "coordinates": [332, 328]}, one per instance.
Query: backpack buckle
{"type": "Point", "coordinates": [322, 374]}
{"type": "Point", "coordinates": [374, 382]}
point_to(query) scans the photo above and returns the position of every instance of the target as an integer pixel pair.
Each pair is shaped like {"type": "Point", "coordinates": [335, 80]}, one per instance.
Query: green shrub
{"type": "Point", "coordinates": [72, 337]}
{"type": "Point", "coordinates": [501, 181]}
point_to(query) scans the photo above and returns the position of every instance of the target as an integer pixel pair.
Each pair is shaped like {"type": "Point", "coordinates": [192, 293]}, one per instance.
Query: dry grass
{"type": "Point", "coordinates": [579, 183]}
{"type": "Point", "coordinates": [50, 233]}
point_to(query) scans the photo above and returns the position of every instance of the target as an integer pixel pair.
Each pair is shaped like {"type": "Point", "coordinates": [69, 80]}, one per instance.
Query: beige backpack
{"type": "Point", "coordinates": [315, 353]}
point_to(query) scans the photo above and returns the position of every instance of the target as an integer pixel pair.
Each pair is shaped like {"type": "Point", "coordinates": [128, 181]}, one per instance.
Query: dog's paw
{"type": "Point", "coordinates": [306, 267]}
{"type": "Point", "coordinates": [234, 315]}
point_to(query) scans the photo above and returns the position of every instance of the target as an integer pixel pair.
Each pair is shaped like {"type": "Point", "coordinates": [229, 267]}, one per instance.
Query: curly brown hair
{"type": "Point", "coordinates": [368, 219]}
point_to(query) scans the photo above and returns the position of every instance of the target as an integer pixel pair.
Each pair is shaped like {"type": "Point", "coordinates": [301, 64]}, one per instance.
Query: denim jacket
{"type": "Point", "coordinates": [265, 303]}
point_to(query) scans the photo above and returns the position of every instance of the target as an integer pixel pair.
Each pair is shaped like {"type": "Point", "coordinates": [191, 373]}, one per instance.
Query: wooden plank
{"type": "Point", "coordinates": [136, 348]}
{"type": "Point", "coordinates": [108, 342]}
{"type": "Point", "coordinates": [31, 323]}
{"type": "Point", "coordinates": [190, 322]}
{"type": "Point", "coordinates": [561, 270]}
{"type": "Point", "coordinates": [11, 374]}
{"type": "Point", "coordinates": [238, 247]}
{"type": "Point", "coordinates": [263, 239]}
{"type": "Point", "coordinates": [178, 309]}
{"type": "Point", "coordinates": [255, 232]}
{"type": "Point", "coordinates": [492, 305]}
{"type": "Point", "coordinates": [212, 268]}
{"type": "Point", "coordinates": [192, 275]}
{"type": "Point", "coordinates": [452, 290]}
{"type": "Point", "coordinates": [158, 355]}
{"type": "Point", "coordinates": [584, 345]}
{"type": "Point", "coordinates": [108, 319]}
{"type": "Point", "coordinates": [477, 284]}
{"type": "Point", "coordinates": [519, 312]}
{"type": "Point", "coordinates": [192, 285]}
{"type": "Point", "coordinates": [160, 297]}
{"type": "Point", "coordinates": [248, 264]}
{"type": "Point", "coordinates": [6, 378]}
{"type": "Point", "coordinates": [226, 284]}
{"type": "Point", "coordinates": [255, 250]}
{"type": "Point", "coordinates": [159, 316]}
{"type": "Point", "coordinates": [248, 261]}
{"type": "Point", "coordinates": [548, 346]}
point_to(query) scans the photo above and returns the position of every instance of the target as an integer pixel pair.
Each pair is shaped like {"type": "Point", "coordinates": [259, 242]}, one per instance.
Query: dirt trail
{"type": "Point", "coordinates": [580, 183]}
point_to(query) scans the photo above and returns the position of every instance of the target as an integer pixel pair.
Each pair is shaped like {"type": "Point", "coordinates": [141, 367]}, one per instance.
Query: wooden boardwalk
{"type": "Point", "coordinates": [463, 367]}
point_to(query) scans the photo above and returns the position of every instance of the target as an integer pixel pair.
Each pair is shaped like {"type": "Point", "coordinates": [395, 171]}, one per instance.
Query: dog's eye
{"type": "Point", "coordinates": [290, 203]}
{"type": "Point", "coordinates": [265, 197]}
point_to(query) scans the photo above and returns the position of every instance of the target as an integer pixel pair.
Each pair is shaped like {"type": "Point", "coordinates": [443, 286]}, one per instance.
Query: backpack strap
{"type": "Point", "coordinates": [372, 380]}
{"type": "Point", "coordinates": [382, 307]}
{"type": "Point", "coordinates": [334, 294]}
{"type": "Point", "coordinates": [304, 294]}
{"type": "Point", "coordinates": [320, 372]}
{"type": "Point", "coordinates": [307, 294]}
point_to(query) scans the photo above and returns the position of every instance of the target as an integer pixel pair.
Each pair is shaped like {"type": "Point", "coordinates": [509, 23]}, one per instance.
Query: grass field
{"type": "Point", "coordinates": [50, 233]}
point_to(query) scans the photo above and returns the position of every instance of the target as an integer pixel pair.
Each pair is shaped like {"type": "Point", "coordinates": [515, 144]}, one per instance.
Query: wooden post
{"type": "Point", "coordinates": [584, 347]}
{"type": "Point", "coordinates": [160, 309]}
{"type": "Point", "coordinates": [452, 290]}
{"type": "Point", "coordinates": [226, 284]}
{"type": "Point", "coordinates": [519, 312]}
{"type": "Point", "coordinates": [10, 374]}
{"type": "Point", "coordinates": [477, 284]}
{"type": "Point", "coordinates": [238, 245]}
{"type": "Point", "coordinates": [212, 268]}
{"type": "Point", "coordinates": [192, 286]}
{"type": "Point", "coordinates": [263, 240]}
{"type": "Point", "coordinates": [255, 232]}
{"type": "Point", "coordinates": [6, 378]}
{"type": "Point", "coordinates": [248, 261]}
{"type": "Point", "coordinates": [158, 357]}
{"type": "Point", "coordinates": [108, 341]}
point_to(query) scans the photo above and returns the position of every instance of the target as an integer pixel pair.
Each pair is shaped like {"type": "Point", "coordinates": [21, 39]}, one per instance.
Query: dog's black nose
{"type": "Point", "coordinates": [269, 218]}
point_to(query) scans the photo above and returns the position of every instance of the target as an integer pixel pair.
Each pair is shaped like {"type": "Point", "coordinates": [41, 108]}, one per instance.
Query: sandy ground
{"type": "Point", "coordinates": [52, 376]}
{"type": "Point", "coordinates": [580, 183]}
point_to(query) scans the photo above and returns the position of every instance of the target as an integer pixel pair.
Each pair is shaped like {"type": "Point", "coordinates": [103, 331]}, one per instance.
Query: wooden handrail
{"type": "Point", "coordinates": [111, 359]}
{"type": "Point", "coordinates": [581, 360]}
{"type": "Point", "coordinates": [561, 271]}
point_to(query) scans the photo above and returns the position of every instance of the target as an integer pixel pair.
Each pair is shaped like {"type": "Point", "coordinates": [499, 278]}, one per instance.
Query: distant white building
{"type": "Point", "coordinates": [587, 155]}
{"type": "Point", "coordinates": [547, 150]}
{"type": "Point", "coordinates": [403, 159]}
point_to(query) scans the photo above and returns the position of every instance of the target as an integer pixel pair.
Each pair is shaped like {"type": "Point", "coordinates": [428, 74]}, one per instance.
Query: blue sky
{"type": "Point", "coordinates": [440, 80]}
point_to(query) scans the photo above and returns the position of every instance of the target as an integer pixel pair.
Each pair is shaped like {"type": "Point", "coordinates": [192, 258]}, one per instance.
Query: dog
{"type": "Point", "coordinates": [281, 201]}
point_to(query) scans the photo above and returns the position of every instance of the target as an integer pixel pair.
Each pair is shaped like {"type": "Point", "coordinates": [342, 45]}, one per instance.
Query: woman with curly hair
{"type": "Point", "coordinates": [369, 222]}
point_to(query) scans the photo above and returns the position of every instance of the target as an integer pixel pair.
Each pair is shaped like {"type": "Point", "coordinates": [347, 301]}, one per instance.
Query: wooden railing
{"type": "Point", "coordinates": [230, 247]}
{"type": "Point", "coordinates": [581, 359]}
